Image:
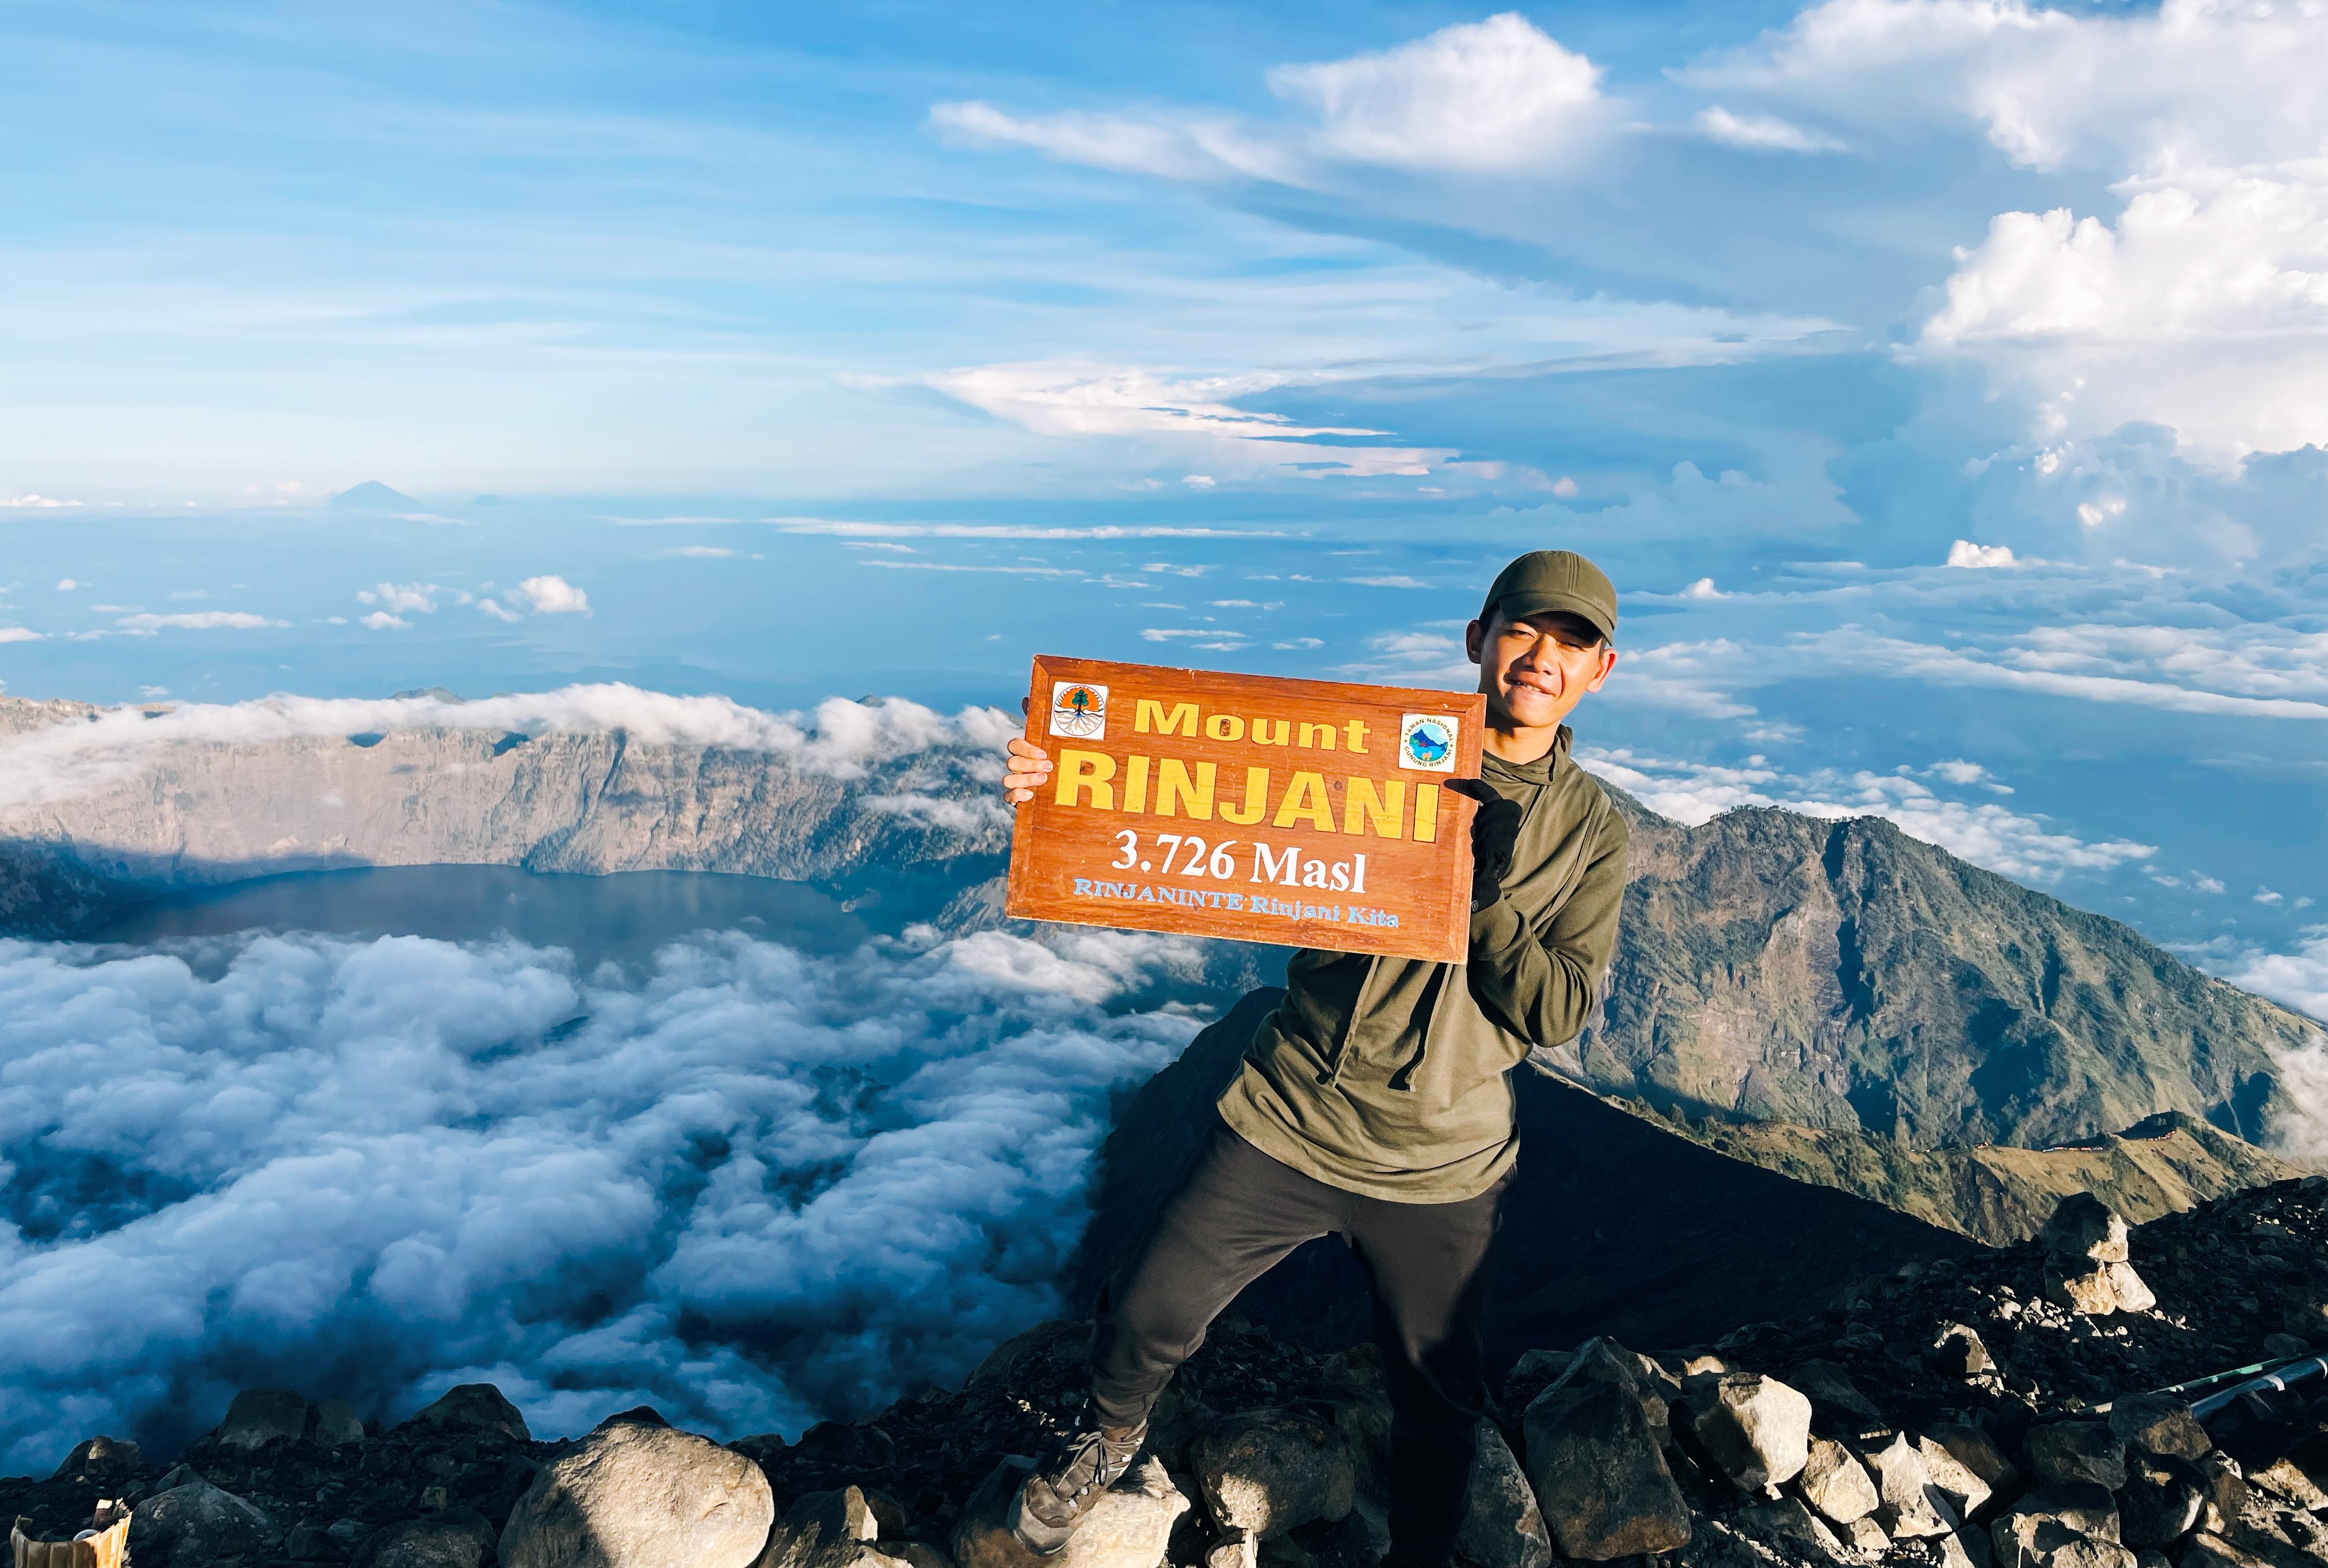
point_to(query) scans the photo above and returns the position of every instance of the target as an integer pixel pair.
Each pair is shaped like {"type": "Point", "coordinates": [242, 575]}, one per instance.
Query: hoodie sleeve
{"type": "Point", "coordinates": [1543, 988]}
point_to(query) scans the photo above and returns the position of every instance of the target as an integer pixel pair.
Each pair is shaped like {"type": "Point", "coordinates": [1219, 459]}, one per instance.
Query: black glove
{"type": "Point", "coordinates": [1495, 835]}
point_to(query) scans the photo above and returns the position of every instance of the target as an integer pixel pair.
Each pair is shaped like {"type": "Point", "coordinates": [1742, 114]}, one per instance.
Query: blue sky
{"type": "Point", "coordinates": [1941, 380]}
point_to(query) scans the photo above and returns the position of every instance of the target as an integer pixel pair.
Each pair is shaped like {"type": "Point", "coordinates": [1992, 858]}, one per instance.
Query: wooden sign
{"type": "Point", "coordinates": [1314, 813]}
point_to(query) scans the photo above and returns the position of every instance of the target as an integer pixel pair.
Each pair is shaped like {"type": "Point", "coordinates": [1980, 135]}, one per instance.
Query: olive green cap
{"type": "Point", "coordinates": [1544, 580]}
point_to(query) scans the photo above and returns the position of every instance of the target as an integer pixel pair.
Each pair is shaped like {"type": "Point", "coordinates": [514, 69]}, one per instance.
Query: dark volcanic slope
{"type": "Point", "coordinates": [1782, 968]}
{"type": "Point", "coordinates": [1613, 1225]}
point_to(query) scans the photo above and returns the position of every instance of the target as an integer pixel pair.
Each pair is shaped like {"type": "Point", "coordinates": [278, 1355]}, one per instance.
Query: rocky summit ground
{"type": "Point", "coordinates": [1996, 1407]}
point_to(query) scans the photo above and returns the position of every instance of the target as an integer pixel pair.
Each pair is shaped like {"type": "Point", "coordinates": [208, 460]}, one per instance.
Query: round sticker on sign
{"type": "Point", "coordinates": [1426, 742]}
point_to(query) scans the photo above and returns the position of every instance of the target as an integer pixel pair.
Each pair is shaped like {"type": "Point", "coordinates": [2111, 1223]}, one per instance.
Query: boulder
{"type": "Point", "coordinates": [2161, 1501]}
{"type": "Point", "coordinates": [260, 1416]}
{"type": "Point", "coordinates": [1601, 1360]}
{"type": "Point", "coordinates": [1868, 1536]}
{"type": "Point", "coordinates": [1052, 1354]}
{"type": "Point", "coordinates": [1502, 1526]}
{"type": "Point", "coordinates": [1977, 1452]}
{"type": "Point", "coordinates": [1837, 1484]}
{"type": "Point", "coordinates": [1837, 1408]}
{"type": "Point", "coordinates": [1599, 1475]}
{"type": "Point", "coordinates": [2227, 1491]}
{"type": "Point", "coordinates": [2288, 1479]}
{"type": "Point", "coordinates": [197, 1525]}
{"type": "Point", "coordinates": [1272, 1471]}
{"type": "Point", "coordinates": [1128, 1527]}
{"type": "Point", "coordinates": [1967, 1548]}
{"type": "Point", "coordinates": [102, 1461]}
{"type": "Point", "coordinates": [455, 1538]}
{"type": "Point", "coordinates": [1786, 1523]}
{"type": "Point", "coordinates": [2159, 1423]}
{"type": "Point", "coordinates": [2284, 1346]}
{"type": "Point", "coordinates": [2023, 1540]}
{"type": "Point", "coordinates": [2097, 1290]}
{"type": "Point", "coordinates": [473, 1407]}
{"type": "Point", "coordinates": [2084, 1227]}
{"type": "Point", "coordinates": [2077, 1450]}
{"type": "Point", "coordinates": [1909, 1506]}
{"type": "Point", "coordinates": [1958, 1352]}
{"type": "Point", "coordinates": [1964, 1489]}
{"type": "Point", "coordinates": [2209, 1550]}
{"type": "Point", "coordinates": [2079, 1506]}
{"type": "Point", "coordinates": [336, 1422]}
{"type": "Point", "coordinates": [1756, 1430]}
{"type": "Point", "coordinates": [631, 1495]}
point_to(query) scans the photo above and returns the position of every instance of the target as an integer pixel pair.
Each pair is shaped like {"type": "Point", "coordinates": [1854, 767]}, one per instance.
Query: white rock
{"type": "Point", "coordinates": [633, 1496]}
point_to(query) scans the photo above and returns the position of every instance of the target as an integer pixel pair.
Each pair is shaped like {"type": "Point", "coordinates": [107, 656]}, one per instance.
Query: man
{"type": "Point", "coordinates": [1372, 1102]}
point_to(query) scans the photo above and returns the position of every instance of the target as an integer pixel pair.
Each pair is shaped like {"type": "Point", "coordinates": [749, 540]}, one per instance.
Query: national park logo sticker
{"type": "Point", "coordinates": [1426, 742]}
{"type": "Point", "coordinates": [1079, 708]}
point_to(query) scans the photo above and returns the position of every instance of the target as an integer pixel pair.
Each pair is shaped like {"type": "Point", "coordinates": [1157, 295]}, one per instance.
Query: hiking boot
{"type": "Point", "coordinates": [1069, 1481]}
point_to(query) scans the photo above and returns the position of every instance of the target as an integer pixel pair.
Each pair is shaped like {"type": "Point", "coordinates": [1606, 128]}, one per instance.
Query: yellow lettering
{"type": "Point", "coordinates": [1320, 736]}
{"type": "Point", "coordinates": [1385, 812]}
{"type": "Point", "coordinates": [1174, 785]}
{"type": "Point", "coordinates": [1149, 713]}
{"type": "Point", "coordinates": [1426, 813]}
{"type": "Point", "coordinates": [1357, 728]}
{"type": "Point", "coordinates": [1225, 726]}
{"type": "Point", "coordinates": [1085, 772]}
{"type": "Point", "coordinates": [1261, 736]}
{"type": "Point", "coordinates": [1135, 786]}
{"type": "Point", "coordinates": [1256, 799]}
{"type": "Point", "coordinates": [1305, 799]}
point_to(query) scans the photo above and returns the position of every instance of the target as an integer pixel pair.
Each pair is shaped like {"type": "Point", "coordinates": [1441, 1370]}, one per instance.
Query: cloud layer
{"type": "Point", "coordinates": [753, 1187]}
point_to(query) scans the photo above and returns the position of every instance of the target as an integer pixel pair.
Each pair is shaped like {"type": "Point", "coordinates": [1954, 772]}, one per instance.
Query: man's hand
{"type": "Point", "coordinates": [1495, 835]}
{"type": "Point", "coordinates": [1026, 768]}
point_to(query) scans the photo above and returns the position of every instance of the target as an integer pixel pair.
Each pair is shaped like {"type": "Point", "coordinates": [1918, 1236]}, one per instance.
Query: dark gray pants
{"type": "Point", "coordinates": [1240, 1213]}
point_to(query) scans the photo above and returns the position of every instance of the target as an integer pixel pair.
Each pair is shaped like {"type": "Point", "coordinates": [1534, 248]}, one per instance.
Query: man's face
{"type": "Point", "coordinates": [1534, 671]}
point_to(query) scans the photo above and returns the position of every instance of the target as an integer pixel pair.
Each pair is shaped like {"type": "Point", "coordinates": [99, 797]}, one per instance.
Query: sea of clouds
{"type": "Point", "coordinates": [752, 1187]}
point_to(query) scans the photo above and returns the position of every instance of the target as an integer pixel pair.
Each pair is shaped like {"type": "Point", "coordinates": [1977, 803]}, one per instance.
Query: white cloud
{"type": "Point", "coordinates": [404, 598]}
{"type": "Point", "coordinates": [381, 621]}
{"type": "Point", "coordinates": [2298, 979]}
{"type": "Point", "coordinates": [146, 625]}
{"type": "Point", "coordinates": [1492, 96]}
{"type": "Point", "coordinates": [2265, 896]}
{"type": "Point", "coordinates": [2270, 673]}
{"type": "Point", "coordinates": [1762, 133]}
{"type": "Point", "coordinates": [1388, 580]}
{"type": "Point", "coordinates": [1168, 570]}
{"type": "Point", "coordinates": [498, 611]}
{"type": "Point", "coordinates": [552, 595]}
{"type": "Point", "coordinates": [1979, 557]}
{"type": "Point", "coordinates": [700, 551]}
{"type": "Point", "coordinates": [19, 634]}
{"type": "Point", "coordinates": [2206, 883]}
{"type": "Point", "coordinates": [38, 502]}
{"type": "Point", "coordinates": [1702, 588]}
{"type": "Point", "coordinates": [66, 585]}
{"type": "Point", "coordinates": [334, 1157]}
{"type": "Point", "coordinates": [878, 532]}
{"type": "Point", "coordinates": [1197, 481]}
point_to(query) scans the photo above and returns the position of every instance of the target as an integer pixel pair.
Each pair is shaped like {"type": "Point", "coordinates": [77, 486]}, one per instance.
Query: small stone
{"type": "Point", "coordinates": [196, 1525]}
{"type": "Point", "coordinates": [1502, 1525]}
{"type": "Point", "coordinates": [2159, 1423]}
{"type": "Point", "coordinates": [1128, 1527]}
{"type": "Point", "coordinates": [260, 1416]}
{"type": "Point", "coordinates": [1958, 1352]}
{"type": "Point", "coordinates": [1234, 1549]}
{"type": "Point", "coordinates": [1977, 1452]}
{"type": "Point", "coordinates": [1837, 1484]}
{"type": "Point", "coordinates": [2084, 1226]}
{"type": "Point", "coordinates": [1272, 1471]}
{"type": "Point", "coordinates": [2077, 1450]}
{"type": "Point", "coordinates": [641, 1496]}
{"type": "Point", "coordinates": [1868, 1536]}
{"type": "Point", "coordinates": [1787, 1522]}
{"type": "Point", "coordinates": [2161, 1499]}
{"type": "Point", "coordinates": [1756, 1430]}
{"type": "Point", "coordinates": [1912, 1506]}
{"type": "Point", "coordinates": [473, 1407]}
{"type": "Point", "coordinates": [1599, 1476]}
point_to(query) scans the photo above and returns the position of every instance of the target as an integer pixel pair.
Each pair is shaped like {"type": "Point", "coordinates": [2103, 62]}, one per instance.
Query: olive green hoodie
{"type": "Point", "coordinates": [1385, 1076]}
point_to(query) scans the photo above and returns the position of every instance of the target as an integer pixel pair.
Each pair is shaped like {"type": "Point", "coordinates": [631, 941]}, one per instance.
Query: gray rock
{"type": "Point", "coordinates": [1601, 1360]}
{"type": "Point", "coordinates": [2022, 1541]}
{"type": "Point", "coordinates": [1836, 1483]}
{"type": "Point", "coordinates": [1503, 1527]}
{"type": "Point", "coordinates": [2209, 1550]}
{"type": "Point", "coordinates": [2159, 1423]}
{"type": "Point", "coordinates": [1963, 1488]}
{"type": "Point", "coordinates": [336, 1422]}
{"type": "Point", "coordinates": [197, 1525]}
{"type": "Point", "coordinates": [1977, 1452]}
{"type": "Point", "coordinates": [174, 1476]}
{"type": "Point", "coordinates": [1837, 1408]}
{"type": "Point", "coordinates": [1756, 1430]}
{"type": "Point", "coordinates": [455, 1538]}
{"type": "Point", "coordinates": [473, 1407]}
{"type": "Point", "coordinates": [2161, 1501]}
{"type": "Point", "coordinates": [2284, 1346]}
{"type": "Point", "coordinates": [2097, 1290]}
{"type": "Point", "coordinates": [1541, 1363]}
{"type": "Point", "coordinates": [1868, 1536]}
{"type": "Point", "coordinates": [1788, 1524]}
{"type": "Point", "coordinates": [1969, 1548]}
{"type": "Point", "coordinates": [1958, 1352]}
{"type": "Point", "coordinates": [1272, 1471]}
{"type": "Point", "coordinates": [2079, 1506]}
{"type": "Point", "coordinates": [260, 1416]}
{"type": "Point", "coordinates": [2077, 1450]}
{"type": "Point", "coordinates": [1599, 1475]}
{"type": "Point", "coordinates": [102, 1461]}
{"type": "Point", "coordinates": [632, 1495]}
{"type": "Point", "coordinates": [1128, 1527]}
{"type": "Point", "coordinates": [837, 1529]}
{"type": "Point", "coordinates": [2084, 1226]}
{"type": "Point", "coordinates": [1048, 1354]}
{"type": "Point", "coordinates": [1911, 1507]}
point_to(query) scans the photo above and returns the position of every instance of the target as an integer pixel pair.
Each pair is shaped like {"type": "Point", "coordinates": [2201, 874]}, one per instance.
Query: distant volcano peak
{"type": "Point", "coordinates": [372, 495]}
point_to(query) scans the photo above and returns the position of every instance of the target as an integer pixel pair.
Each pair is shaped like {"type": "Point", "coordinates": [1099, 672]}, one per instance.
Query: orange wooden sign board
{"type": "Point", "coordinates": [1312, 813]}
